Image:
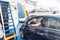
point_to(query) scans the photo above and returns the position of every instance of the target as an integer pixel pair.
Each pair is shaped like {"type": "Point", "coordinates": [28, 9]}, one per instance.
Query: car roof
{"type": "Point", "coordinates": [47, 15]}
{"type": "Point", "coordinates": [57, 17]}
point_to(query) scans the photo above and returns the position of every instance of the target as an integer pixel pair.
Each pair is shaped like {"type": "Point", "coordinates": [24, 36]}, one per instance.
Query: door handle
{"type": "Point", "coordinates": [40, 33]}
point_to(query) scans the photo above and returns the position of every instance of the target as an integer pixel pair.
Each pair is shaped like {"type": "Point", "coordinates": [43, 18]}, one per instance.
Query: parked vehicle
{"type": "Point", "coordinates": [42, 27]}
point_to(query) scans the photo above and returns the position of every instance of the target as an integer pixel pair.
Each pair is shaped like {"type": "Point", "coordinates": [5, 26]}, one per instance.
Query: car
{"type": "Point", "coordinates": [43, 27]}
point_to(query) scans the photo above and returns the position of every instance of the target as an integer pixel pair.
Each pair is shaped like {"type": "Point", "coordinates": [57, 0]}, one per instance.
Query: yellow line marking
{"type": "Point", "coordinates": [26, 13]}
{"type": "Point", "coordinates": [10, 37]}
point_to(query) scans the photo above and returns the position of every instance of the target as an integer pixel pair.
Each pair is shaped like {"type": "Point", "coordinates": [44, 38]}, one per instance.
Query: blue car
{"type": "Point", "coordinates": [44, 27]}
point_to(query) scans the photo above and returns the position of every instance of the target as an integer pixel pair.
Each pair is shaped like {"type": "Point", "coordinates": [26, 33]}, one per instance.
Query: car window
{"type": "Point", "coordinates": [55, 24]}
{"type": "Point", "coordinates": [35, 20]}
{"type": "Point", "coordinates": [38, 21]}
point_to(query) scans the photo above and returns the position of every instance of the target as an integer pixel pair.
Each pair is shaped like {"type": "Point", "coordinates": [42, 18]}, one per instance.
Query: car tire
{"type": "Point", "coordinates": [22, 34]}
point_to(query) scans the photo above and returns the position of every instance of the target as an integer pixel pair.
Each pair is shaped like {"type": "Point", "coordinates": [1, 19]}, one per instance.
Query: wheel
{"type": "Point", "coordinates": [22, 31]}
{"type": "Point", "coordinates": [22, 34]}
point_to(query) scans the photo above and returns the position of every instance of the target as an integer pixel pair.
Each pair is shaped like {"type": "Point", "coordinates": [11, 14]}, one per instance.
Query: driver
{"type": "Point", "coordinates": [36, 22]}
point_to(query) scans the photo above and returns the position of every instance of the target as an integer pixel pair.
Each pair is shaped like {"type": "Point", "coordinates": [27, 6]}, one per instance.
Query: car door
{"type": "Point", "coordinates": [53, 29]}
